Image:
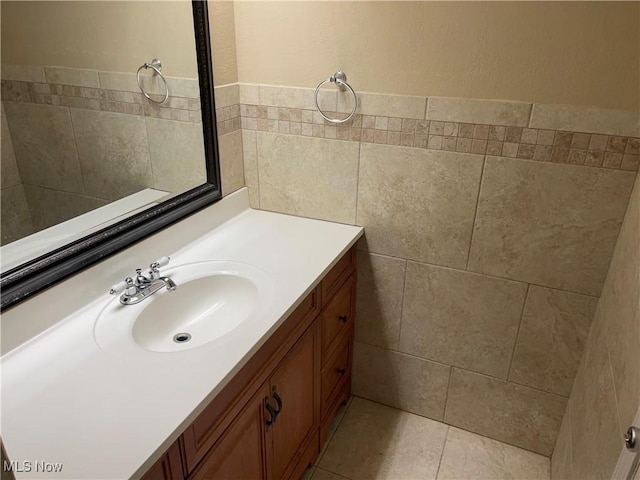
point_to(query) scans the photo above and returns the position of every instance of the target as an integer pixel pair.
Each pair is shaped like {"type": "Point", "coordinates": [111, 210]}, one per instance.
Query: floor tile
{"type": "Point", "coordinates": [378, 442]}
{"type": "Point", "coordinates": [470, 456]}
{"type": "Point", "coordinates": [320, 474]}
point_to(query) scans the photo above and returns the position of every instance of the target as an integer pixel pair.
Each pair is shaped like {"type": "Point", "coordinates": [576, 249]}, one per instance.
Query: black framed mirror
{"type": "Point", "coordinates": [20, 282]}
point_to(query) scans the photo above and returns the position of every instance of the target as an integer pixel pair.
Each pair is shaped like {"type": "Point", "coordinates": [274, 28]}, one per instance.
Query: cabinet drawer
{"type": "Point", "coordinates": [336, 276]}
{"type": "Point", "coordinates": [337, 317]}
{"type": "Point", "coordinates": [337, 368]}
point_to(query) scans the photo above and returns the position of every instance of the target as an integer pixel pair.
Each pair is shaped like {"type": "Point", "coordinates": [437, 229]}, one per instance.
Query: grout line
{"type": "Point", "coordinates": [472, 272]}
{"type": "Point", "coordinates": [146, 131]}
{"type": "Point", "coordinates": [515, 343]}
{"type": "Point", "coordinates": [444, 446]}
{"type": "Point", "coordinates": [330, 471]}
{"type": "Point", "coordinates": [438, 362]}
{"type": "Point", "coordinates": [475, 214]}
{"type": "Point", "coordinates": [75, 143]}
{"type": "Point", "coordinates": [531, 117]}
{"type": "Point", "coordinates": [446, 395]}
{"type": "Point", "coordinates": [404, 286]}
{"type": "Point", "coordinates": [358, 182]}
{"type": "Point", "coordinates": [244, 176]}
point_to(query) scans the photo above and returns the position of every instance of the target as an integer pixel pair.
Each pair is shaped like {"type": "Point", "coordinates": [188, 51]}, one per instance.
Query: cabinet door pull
{"type": "Point", "coordinates": [278, 400]}
{"type": "Point", "coordinates": [341, 371]}
{"type": "Point", "coordinates": [271, 412]}
{"type": "Point", "coordinates": [343, 318]}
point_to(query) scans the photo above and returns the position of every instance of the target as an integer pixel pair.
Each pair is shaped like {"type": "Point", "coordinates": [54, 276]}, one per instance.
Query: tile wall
{"type": "Point", "coordinates": [489, 227]}
{"type": "Point", "coordinates": [83, 138]}
{"type": "Point", "coordinates": [606, 392]}
{"type": "Point", "coordinates": [15, 218]}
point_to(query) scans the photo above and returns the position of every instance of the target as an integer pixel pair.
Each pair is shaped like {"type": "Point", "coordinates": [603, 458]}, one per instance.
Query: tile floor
{"type": "Point", "coordinates": [372, 441]}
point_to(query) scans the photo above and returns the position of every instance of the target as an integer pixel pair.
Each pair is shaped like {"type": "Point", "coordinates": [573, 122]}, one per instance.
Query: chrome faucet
{"type": "Point", "coordinates": [134, 291]}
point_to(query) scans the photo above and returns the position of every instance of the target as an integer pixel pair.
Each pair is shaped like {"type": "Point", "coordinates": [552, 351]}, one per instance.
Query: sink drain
{"type": "Point", "coordinates": [181, 337]}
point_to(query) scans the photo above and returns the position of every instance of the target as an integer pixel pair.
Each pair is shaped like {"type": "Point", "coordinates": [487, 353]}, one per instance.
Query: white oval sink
{"type": "Point", "coordinates": [212, 300]}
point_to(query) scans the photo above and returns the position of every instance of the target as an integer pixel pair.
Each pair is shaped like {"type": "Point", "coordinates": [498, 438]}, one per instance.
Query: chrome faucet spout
{"type": "Point", "coordinates": [170, 284]}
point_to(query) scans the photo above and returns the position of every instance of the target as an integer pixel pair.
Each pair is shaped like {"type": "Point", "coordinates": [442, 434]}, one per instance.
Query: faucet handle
{"type": "Point", "coordinates": [122, 286]}
{"type": "Point", "coordinates": [161, 262]}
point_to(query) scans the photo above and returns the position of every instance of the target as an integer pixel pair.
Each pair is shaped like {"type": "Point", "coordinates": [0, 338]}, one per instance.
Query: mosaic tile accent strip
{"type": "Point", "coordinates": [177, 108]}
{"type": "Point", "coordinates": [555, 146]}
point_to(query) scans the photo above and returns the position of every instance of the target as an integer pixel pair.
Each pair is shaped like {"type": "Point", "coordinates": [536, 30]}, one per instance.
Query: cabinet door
{"type": "Point", "coordinates": [169, 467]}
{"type": "Point", "coordinates": [294, 389]}
{"type": "Point", "coordinates": [240, 453]}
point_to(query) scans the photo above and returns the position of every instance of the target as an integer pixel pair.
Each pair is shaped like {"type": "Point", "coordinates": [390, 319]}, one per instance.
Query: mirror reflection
{"type": "Point", "coordinates": [82, 147]}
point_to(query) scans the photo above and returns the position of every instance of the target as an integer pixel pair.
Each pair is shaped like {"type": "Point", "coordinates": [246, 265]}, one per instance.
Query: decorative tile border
{"type": "Point", "coordinates": [88, 98]}
{"type": "Point", "coordinates": [555, 146]}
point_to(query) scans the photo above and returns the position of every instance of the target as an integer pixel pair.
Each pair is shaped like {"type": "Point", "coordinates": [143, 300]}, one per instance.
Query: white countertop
{"type": "Point", "coordinates": [108, 416]}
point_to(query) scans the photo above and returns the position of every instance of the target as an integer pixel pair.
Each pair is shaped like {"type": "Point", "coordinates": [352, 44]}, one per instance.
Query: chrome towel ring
{"type": "Point", "coordinates": [340, 79]}
{"type": "Point", "coordinates": [156, 66]}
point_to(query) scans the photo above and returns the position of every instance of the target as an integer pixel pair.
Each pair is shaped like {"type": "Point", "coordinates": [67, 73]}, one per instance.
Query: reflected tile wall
{"type": "Point", "coordinates": [15, 218]}
{"type": "Point", "coordinates": [83, 138]}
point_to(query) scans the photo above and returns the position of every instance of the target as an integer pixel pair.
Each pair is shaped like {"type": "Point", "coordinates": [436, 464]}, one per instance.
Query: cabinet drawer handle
{"type": "Point", "coordinates": [343, 318]}
{"type": "Point", "coordinates": [278, 400]}
{"type": "Point", "coordinates": [341, 371]}
{"type": "Point", "coordinates": [271, 412]}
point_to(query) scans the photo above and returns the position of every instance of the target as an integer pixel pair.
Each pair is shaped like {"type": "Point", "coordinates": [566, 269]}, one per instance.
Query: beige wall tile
{"type": "Point", "coordinates": [418, 204]}
{"type": "Point", "coordinates": [249, 94]}
{"type": "Point", "coordinates": [113, 151]}
{"type": "Point", "coordinates": [548, 224]}
{"type": "Point", "coordinates": [402, 381]}
{"type": "Point", "coordinates": [176, 150]}
{"type": "Point", "coordinates": [23, 73]}
{"type": "Point", "coordinates": [514, 414]}
{"type": "Point", "coordinates": [250, 160]}
{"type": "Point", "coordinates": [15, 218]}
{"type": "Point", "coordinates": [231, 162]}
{"type": "Point", "coordinates": [386, 105]}
{"type": "Point", "coordinates": [70, 205]}
{"type": "Point", "coordinates": [379, 299]}
{"type": "Point", "coordinates": [43, 140]}
{"type": "Point", "coordinates": [595, 431]}
{"type": "Point", "coordinates": [374, 441]}
{"type": "Point", "coordinates": [562, 458]}
{"type": "Point", "coordinates": [8, 165]}
{"type": "Point", "coordinates": [468, 110]}
{"type": "Point", "coordinates": [227, 95]}
{"type": "Point", "coordinates": [178, 87]}
{"type": "Point", "coordinates": [42, 206]}
{"type": "Point", "coordinates": [620, 306]}
{"type": "Point", "coordinates": [310, 177]}
{"type": "Point", "coordinates": [78, 77]}
{"type": "Point", "coordinates": [293, 97]}
{"type": "Point", "coordinates": [460, 318]}
{"type": "Point", "coordinates": [467, 455]}
{"type": "Point", "coordinates": [586, 119]}
{"type": "Point", "coordinates": [554, 329]}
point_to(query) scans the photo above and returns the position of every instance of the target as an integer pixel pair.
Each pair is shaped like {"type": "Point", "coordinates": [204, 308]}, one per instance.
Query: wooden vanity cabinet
{"type": "Point", "coordinates": [300, 376]}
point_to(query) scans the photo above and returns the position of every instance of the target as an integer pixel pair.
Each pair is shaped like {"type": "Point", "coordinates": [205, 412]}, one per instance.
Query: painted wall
{"type": "Point", "coordinates": [223, 41]}
{"type": "Point", "coordinates": [582, 53]}
{"type": "Point", "coordinates": [104, 35]}
{"type": "Point", "coordinates": [606, 393]}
